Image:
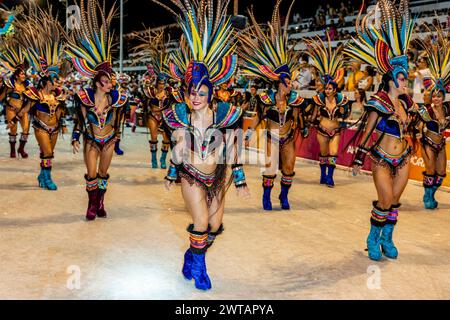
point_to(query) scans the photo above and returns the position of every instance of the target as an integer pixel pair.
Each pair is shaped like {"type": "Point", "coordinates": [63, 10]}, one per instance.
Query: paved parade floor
{"type": "Point", "coordinates": [314, 251]}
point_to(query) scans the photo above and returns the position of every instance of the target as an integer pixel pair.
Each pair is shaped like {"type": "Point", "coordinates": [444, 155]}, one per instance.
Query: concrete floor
{"type": "Point", "coordinates": [314, 251]}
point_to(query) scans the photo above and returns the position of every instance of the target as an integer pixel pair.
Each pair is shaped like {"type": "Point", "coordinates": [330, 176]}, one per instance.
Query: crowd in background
{"type": "Point", "coordinates": [359, 79]}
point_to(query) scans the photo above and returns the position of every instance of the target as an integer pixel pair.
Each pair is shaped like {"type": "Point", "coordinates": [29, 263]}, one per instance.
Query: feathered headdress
{"type": "Point", "coordinates": [327, 61]}
{"type": "Point", "coordinates": [42, 43]}
{"type": "Point", "coordinates": [12, 56]}
{"type": "Point", "coordinates": [89, 46]}
{"type": "Point", "coordinates": [266, 54]}
{"type": "Point", "coordinates": [179, 60]}
{"type": "Point", "coordinates": [438, 53]}
{"type": "Point", "coordinates": [210, 39]}
{"type": "Point", "coordinates": [384, 44]}
{"type": "Point", "coordinates": [154, 46]}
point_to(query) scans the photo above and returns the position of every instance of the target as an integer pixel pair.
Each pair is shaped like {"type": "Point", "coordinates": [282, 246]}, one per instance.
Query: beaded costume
{"type": "Point", "coordinates": [383, 45]}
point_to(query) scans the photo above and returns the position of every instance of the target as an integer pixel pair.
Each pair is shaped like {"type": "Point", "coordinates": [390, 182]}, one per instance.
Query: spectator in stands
{"type": "Point", "coordinates": [435, 23]}
{"type": "Point", "coordinates": [355, 75]}
{"type": "Point", "coordinates": [347, 35]}
{"type": "Point", "coordinates": [319, 11]}
{"type": "Point", "coordinates": [421, 72]}
{"type": "Point", "coordinates": [341, 20]}
{"type": "Point", "coordinates": [357, 108]}
{"type": "Point", "coordinates": [366, 82]}
{"type": "Point", "coordinates": [305, 76]}
{"type": "Point", "coordinates": [412, 67]}
{"type": "Point", "coordinates": [343, 10]}
{"type": "Point", "coordinates": [350, 7]}
{"type": "Point", "coordinates": [321, 22]}
{"type": "Point", "coordinates": [330, 11]}
{"type": "Point", "coordinates": [332, 31]}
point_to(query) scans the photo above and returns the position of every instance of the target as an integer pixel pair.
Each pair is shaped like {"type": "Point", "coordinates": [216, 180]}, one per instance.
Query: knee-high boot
{"type": "Point", "coordinates": [267, 184]}
{"type": "Point", "coordinates": [331, 166]}
{"type": "Point", "coordinates": [195, 259]}
{"type": "Point", "coordinates": [22, 142]}
{"type": "Point", "coordinates": [323, 161]}
{"type": "Point", "coordinates": [387, 244]}
{"type": "Point", "coordinates": [286, 183]}
{"type": "Point", "coordinates": [45, 178]}
{"type": "Point", "coordinates": [102, 187]}
{"type": "Point", "coordinates": [117, 149]}
{"type": "Point", "coordinates": [428, 183]}
{"type": "Point", "coordinates": [377, 222]}
{"type": "Point", "coordinates": [12, 144]}
{"type": "Point", "coordinates": [92, 190]}
{"type": "Point", "coordinates": [164, 151]}
{"type": "Point", "coordinates": [153, 150]}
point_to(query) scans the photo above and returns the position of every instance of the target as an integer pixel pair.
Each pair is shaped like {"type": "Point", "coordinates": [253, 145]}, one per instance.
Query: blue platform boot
{"type": "Point", "coordinates": [387, 245]}
{"type": "Point", "coordinates": [45, 178]}
{"type": "Point", "coordinates": [41, 179]}
{"type": "Point", "coordinates": [199, 272]}
{"type": "Point", "coordinates": [323, 160]}
{"type": "Point", "coordinates": [187, 265]}
{"type": "Point", "coordinates": [117, 149]}
{"type": "Point", "coordinates": [428, 183]}
{"type": "Point", "coordinates": [50, 185]}
{"type": "Point", "coordinates": [267, 186]}
{"type": "Point", "coordinates": [198, 249]}
{"type": "Point", "coordinates": [331, 166]}
{"type": "Point", "coordinates": [153, 150]}
{"type": "Point", "coordinates": [377, 221]}
{"type": "Point", "coordinates": [437, 184]}
{"type": "Point", "coordinates": [164, 151]}
{"type": "Point", "coordinates": [286, 183]}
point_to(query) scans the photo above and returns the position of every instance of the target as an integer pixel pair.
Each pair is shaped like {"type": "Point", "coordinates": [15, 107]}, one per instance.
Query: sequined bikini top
{"type": "Point", "coordinates": [178, 117]}
{"type": "Point", "coordinates": [104, 118]}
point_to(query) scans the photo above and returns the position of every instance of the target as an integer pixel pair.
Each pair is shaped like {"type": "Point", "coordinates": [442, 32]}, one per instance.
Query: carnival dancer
{"type": "Point", "coordinates": [203, 131]}
{"type": "Point", "coordinates": [40, 35]}
{"type": "Point", "coordinates": [100, 108]}
{"type": "Point", "coordinates": [226, 94]}
{"type": "Point", "coordinates": [387, 113]}
{"type": "Point", "coordinates": [157, 97]}
{"type": "Point", "coordinates": [12, 58]}
{"type": "Point", "coordinates": [435, 116]}
{"type": "Point", "coordinates": [329, 108]}
{"type": "Point", "coordinates": [266, 55]}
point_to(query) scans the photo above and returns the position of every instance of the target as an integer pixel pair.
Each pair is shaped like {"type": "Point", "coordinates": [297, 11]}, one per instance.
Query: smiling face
{"type": "Point", "coordinates": [329, 90]}
{"type": "Point", "coordinates": [437, 98]}
{"type": "Point", "coordinates": [199, 99]}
